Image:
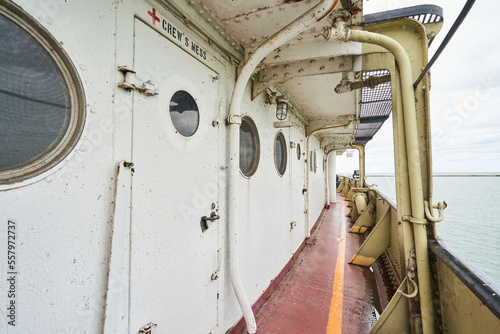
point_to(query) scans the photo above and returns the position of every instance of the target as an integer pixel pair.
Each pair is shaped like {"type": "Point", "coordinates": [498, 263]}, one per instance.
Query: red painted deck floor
{"type": "Point", "coordinates": [322, 293]}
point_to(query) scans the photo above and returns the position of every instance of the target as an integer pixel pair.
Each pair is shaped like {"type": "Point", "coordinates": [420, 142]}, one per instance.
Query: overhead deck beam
{"type": "Point", "coordinates": [292, 52]}
{"type": "Point", "coordinates": [282, 72]}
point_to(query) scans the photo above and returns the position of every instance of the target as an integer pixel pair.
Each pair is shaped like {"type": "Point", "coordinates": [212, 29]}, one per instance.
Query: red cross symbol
{"type": "Point", "coordinates": [153, 15]}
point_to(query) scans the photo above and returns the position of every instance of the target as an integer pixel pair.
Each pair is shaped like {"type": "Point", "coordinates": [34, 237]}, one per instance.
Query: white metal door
{"type": "Point", "coordinates": [297, 184]}
{"type": "Point", "coordinates": [174, 185]}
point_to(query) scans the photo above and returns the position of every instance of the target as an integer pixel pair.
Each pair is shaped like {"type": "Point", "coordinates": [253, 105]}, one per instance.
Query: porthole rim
{"type": "Point", "coordinates": [255, 165]}
{"type": "Point", "coordinates": [198, 110]}
{"type": "Point", "coordinates": [280, 134]}
{"type": "Point", "coordinates": [58, 151]}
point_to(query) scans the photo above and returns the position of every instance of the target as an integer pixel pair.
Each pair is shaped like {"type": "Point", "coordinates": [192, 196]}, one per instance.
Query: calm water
{"type": "Point", "coordinates": [471, 224]}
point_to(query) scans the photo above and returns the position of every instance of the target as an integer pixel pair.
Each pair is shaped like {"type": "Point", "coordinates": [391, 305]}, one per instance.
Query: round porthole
{"type": "Point", "coordinates": [184, 113]}
{"type": "Point", "coordinates": [280, 154]}
{"type": "Point", "coordinates": [41, 98]}
{"type": "Point", "coordinates": [298, 152]}
{"type": "Point", "coordinates": [249, 147]}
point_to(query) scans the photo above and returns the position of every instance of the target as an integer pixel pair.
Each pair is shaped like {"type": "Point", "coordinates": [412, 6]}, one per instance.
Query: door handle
{"type": "Point", "coordinates": [204, 220]}
{"type": "Point", "coordinates": [212, 217]}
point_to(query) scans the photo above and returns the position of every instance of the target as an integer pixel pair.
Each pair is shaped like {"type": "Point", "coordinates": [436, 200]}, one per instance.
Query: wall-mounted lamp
{"type": "Point", "coordinates": [281, 108]}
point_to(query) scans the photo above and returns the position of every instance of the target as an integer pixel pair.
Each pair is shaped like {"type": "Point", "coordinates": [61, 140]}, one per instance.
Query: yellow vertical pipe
{"type": "Point", "coordinates": [362, 171]}
{"type": "Point", "coordinates": [402, 185]}
{"type": "Point", "coordinates": [414, 168]}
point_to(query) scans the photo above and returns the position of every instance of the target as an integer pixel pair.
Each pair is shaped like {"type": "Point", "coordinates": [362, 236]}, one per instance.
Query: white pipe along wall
{"type": "Point", "coordinates": [332, 176]}
{"type": "Point", "coordinates": [312, 16]}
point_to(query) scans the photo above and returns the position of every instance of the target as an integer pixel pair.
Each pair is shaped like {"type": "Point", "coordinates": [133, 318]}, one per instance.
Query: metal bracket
{"type": "Point", "coordinates": [129, 165]}
{"type": "Point", "coordinates": [365, 220]}
{"type": "Point", "coordinates": [414, 220]}
{"type": "Point", "coordinates": [376, 242]}
{"type": "Point", "coordinates": [132, 82]}
{"type": "Point", "coordinates": [205, 219]}
{"type": "Point", "coordinates": [146, 329]}
{"type": "Point", "coordinates": [234, 119]}
{"type": "Point", "coordinates": [390, 319]}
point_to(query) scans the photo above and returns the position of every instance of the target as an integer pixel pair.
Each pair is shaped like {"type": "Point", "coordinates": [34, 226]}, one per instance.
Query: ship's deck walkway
{"type": "Point", "coordinates": [322, 292]}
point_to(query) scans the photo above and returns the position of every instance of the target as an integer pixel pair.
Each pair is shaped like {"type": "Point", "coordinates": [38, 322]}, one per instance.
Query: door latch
{"type": "Point", "coordinates": [146, 329]}
{"type": "Point", "coordinates": [204, 220]}
{"type": "Point", "coordinates": [132, 82]}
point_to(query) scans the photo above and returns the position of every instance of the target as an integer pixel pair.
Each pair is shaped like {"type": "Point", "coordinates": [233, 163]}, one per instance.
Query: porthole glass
{"type": "Point", "coordinates": [41, 98]}
{"type": "Point", "coordinates": [315, 162]}
{"type": "Point", "coordinates": [184, 113]}
{"type": "Point", "coordinates": [280, 154]}
{"type": "Point", "coordinates": [298, 152]}
{"type": "Point", "coordinates": [249, 146]}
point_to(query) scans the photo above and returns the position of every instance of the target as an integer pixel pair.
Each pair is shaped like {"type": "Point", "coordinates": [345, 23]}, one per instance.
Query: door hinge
{"type": "Point", "coordinates": [132, 82]}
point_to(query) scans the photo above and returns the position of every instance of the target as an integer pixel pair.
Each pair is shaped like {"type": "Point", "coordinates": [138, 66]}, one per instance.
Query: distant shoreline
{"type": "Point", "coordinates": [441, 175]}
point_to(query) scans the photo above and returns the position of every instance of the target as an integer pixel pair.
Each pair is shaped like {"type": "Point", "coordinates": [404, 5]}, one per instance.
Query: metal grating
{"type": "Point", "coordinates": [376, 103]}
{"type": "Point", "coordinates": [379, 93]}
{"type": "Point", "coordinates": [423, 13]}
{"type": "Point", "coordinates": [376, 109]}
{"type": "Point", "coordinates": [427, 18]}
{"type": "Point", "coordinates": [366, 133]}
{"type": "Point", "coordinates": [366, 126]}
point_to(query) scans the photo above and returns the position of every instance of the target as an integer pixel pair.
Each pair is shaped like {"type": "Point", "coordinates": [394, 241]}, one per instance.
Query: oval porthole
{"type": "Point", "coordinates": [315, 162]}
{"type": "Point", "coordinates": [298, 152]}
{"type": "Point", "coordinates": [280, 154]}
{"type": "Point", "coordinates": [249, 147]}
{"type": "Point", "coordinates": [41, 98]}
{"type": "Point", "coordinates": [184, 113]}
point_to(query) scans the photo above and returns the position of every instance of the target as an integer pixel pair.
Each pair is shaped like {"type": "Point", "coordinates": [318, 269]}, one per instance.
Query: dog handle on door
{"type": "Point", "coordinates": [205, 219]}
{"type": "Point", "coordinates": [212, 217]}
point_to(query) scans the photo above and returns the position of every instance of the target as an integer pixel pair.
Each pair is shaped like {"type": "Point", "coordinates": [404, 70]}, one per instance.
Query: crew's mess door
{"type": "Point", "coordinates": [174, 259]}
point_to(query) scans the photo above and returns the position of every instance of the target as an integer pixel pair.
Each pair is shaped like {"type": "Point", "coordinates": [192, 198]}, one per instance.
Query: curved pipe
{"type": "Point", "coordinates": [414, 168]}
{"type": "Point", "coordinates": [326, 128]}
{"type": "Point", "coordinates": [312, 16]}
{"type": "Point", "coordinates": [328, 177]}
{"type": "Point", "coordinates": [440, 206]}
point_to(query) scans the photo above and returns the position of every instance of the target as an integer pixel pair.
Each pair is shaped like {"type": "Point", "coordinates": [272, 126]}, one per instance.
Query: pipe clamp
{"type": "Point", "coordinates": [414, 220]}
{"type": "Point", "coordinates": [234, 119]}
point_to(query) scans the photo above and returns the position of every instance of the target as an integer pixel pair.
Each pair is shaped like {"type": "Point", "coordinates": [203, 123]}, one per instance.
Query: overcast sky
{"type": "Point", "coordinates": [465, 93]}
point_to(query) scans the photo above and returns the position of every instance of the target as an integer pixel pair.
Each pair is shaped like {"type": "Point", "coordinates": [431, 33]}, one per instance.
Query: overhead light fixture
{"type": "Point", "coordinates": [281, 108]}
